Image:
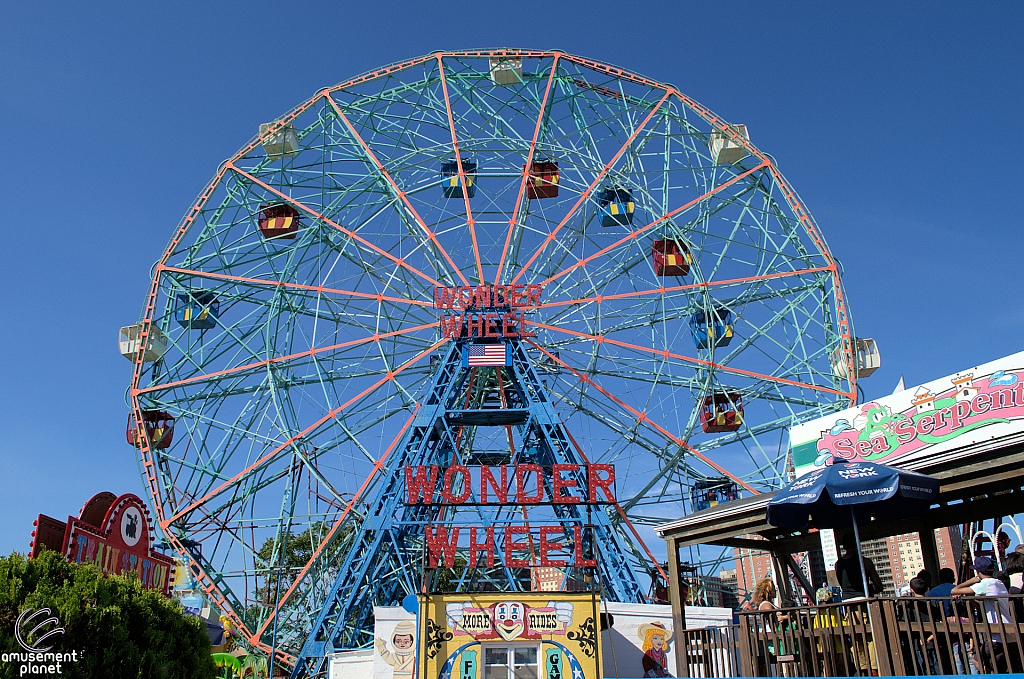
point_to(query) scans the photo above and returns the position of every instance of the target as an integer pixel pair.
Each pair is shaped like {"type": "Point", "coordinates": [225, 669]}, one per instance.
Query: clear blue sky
{"type": "Point", "coordinates": [899, 124]}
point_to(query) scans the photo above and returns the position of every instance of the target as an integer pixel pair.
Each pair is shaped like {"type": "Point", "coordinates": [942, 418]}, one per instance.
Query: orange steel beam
{"type": "Point", "coordinates": [149, 464]}
{"type": "Point", "coordinates": [636, 234]}
{"type": "Point", "coordinates": [590, 189]}
{"type": "Point", "coordinates": [305, 432]}
{"type": "Point", "coordinates": [378, 466]}
{"type": "Point", "coordinates": [320, 289]}
{"type": "Point", "coordinates": [666, 354]}
{"type": "Point", "coordinates": [642, 417]}
{"type": "Point", "coordinates": [677, 288]}
{"type": "Point", "coordinates": [431, 236]}
{"type": "Point", "coordinates": [526, 168]}
{"type": "Point", "coordinates": [376, 337]}
{"type": "Point", "coordinates": [351, 234]}
{"type": "Point", "coordinates": [462, 173]}
{"type": "Point", "coordinates": [621, 512]}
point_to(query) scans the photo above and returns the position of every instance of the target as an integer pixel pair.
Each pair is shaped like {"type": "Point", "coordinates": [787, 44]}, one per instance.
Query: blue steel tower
{"type": "Point", "coordinates": [385, 558]}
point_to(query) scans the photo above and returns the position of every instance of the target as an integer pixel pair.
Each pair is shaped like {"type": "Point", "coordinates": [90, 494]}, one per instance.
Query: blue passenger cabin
{"type": "Point", "coordinates": [708, 493]}
{"type": "Point", "coordinates": [712, 328]}
{"type": "Point", "coordinates": [616, 206]}
{"type": "Point", "coordinates": [197, 310]}
{"type": "Point", "coordinates": [450, 181]}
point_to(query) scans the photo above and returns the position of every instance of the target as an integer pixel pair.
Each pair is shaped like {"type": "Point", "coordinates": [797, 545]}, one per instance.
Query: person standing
{"type": "Point", "coordinates": [772, 623]}
{"type": "Point", "coordinates": [851, 580]}
{"type": "Point", "coordinates": [849, 574]}
{"type": "Point", "coordinates": [947, 580]}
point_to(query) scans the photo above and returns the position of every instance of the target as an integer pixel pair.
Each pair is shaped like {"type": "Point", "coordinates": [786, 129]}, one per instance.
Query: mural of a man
{"type": "Point", "coordinates": [403, 659]}
{"type": "Point", "coordinates": [655, 647]}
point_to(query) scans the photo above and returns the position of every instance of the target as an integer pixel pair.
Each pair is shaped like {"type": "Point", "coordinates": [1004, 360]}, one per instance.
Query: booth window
{"type": "Point", "coordinates": [510, 662]}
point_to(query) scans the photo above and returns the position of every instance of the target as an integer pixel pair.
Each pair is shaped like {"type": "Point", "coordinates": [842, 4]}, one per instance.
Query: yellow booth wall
{"type": "Point", "coordinates": [506, 635]}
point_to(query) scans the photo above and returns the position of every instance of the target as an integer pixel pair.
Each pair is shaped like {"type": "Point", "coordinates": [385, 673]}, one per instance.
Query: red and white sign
{"type": "Point", "coordinates": [112, 533]}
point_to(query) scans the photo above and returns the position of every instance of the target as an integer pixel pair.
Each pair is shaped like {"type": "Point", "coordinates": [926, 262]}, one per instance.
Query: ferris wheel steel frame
{"type": "Point", "coordinates": [172, 506]}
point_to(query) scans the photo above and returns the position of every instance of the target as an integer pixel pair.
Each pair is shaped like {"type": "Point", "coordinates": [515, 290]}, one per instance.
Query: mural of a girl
{"type": "Point", "coordinates": [655, 640]}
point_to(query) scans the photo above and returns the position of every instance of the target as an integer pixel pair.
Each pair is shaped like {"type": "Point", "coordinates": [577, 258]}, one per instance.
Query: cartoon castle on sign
{"type": "Point", "coordinates": [923, 400]}
{"type": "Point", "coordinates": [964, 385]}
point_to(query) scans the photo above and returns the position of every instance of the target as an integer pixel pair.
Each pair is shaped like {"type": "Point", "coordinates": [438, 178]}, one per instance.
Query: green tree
{"type": "Point", "coordinates": [118, 628]}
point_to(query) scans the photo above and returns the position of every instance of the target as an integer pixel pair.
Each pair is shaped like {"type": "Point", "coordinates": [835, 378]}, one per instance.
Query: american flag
{"type": "Point", "coordinates": [485, 354]}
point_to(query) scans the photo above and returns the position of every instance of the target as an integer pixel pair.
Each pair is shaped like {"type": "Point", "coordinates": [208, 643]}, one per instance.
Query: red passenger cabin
{"type": "Point", "coordinates": [279, 221]}
{"type": "Point", "coordinates": [721, 412]}
{"type": "Point", "coordinates": [159, 429]}
{"type": "Point", "coordinates": [542, 181]}
{"type": "Point", "coordinates": [671, 258]}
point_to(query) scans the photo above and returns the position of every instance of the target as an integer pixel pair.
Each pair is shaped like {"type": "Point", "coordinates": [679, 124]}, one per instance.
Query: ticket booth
{"type": "Point", "coordinates": [509, 635]}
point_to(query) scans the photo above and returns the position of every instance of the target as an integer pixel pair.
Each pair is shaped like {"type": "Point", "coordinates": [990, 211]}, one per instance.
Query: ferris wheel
{"type": "Point", "coordinates": [678, 310]}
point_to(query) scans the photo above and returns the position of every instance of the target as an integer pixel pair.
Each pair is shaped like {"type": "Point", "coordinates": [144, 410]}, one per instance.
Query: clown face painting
{"type": "Point", "coordinates": [509, 619]}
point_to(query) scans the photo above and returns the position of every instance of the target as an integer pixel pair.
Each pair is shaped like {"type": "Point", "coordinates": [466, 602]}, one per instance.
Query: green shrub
{"type": "Point", "coordinates": [117, 627]}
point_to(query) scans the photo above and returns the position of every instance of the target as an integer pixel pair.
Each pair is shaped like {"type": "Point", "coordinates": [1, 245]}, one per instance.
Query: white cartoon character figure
{"type": "Point", "coordinates": [509, 619]}
{"type": "Point", "coordinates": [403, 659]}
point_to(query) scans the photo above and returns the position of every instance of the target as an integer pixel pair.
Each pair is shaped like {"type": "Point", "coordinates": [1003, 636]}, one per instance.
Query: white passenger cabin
{"type": "Point", "coordinates": [725, 151]}
{"type": "Point", "coordinates": [866, 358]}
{"type": "Point", "coordinates": [283, 142]}
{"type": "Point", "coordinates": [129, 340]}
{"type": "Point", "coordinates": [506, 70]}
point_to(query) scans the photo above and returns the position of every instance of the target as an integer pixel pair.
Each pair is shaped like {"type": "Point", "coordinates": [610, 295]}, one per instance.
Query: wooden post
{"type": "Point", "coordinates": [675, 597]}
{"type": "Point", "coordinates": [929, 554]}
{"type": "Point", "coordinates": [781, 577]}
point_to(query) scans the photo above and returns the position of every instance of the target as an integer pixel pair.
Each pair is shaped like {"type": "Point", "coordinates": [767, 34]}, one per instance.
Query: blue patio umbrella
{"type": "Point", "coordinates": [848, 493]}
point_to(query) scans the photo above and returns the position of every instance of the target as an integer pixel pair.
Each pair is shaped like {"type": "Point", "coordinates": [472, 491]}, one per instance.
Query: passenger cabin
{"type": "Point", "coordinates": [616, 207]}
{"type": "Point", "coordinates": [726, 151]}
{"type": "Point", "coordinates": [450, 181]}
{"type": "Point", "coordinates": [197, 310]}
{"type": "Point", "coordinates": [866, 359]}
{"type": "Point", "coordinates": [542, 181]}
{"type": "Point", "coordinates": [159, 427]}
{"type": "Point", "coordinates": [671, 258]}
{"type": "Point", "coordinates": [708, 493]}
{"type": "Point", "coordinates": [129, 341]}
{"type": "Point", "coordinates": [711, 328]}
{"type": "Point", "coordinates": [279, 221]}
{"type": "Point", "coordinates": [283, 143]}
{"type": "Point", "coordinates": [506, 70]}
{"type": "Point", "coordinates": [721, 412]}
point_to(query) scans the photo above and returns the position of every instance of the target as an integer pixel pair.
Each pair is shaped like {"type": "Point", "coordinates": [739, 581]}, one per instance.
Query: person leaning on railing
{"type": "Point", "coordinates": [997, 612]}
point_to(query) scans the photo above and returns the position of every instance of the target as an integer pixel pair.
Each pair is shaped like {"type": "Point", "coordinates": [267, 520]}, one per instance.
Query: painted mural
{"type": "Point", "coordinates": [532, 636]}
{"type": "Point", "coordinates": [394, 644]}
